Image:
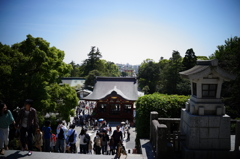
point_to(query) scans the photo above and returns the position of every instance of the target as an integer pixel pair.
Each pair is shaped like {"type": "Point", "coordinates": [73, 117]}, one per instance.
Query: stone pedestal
{"type": "Point", "coordinates": [205, 132]}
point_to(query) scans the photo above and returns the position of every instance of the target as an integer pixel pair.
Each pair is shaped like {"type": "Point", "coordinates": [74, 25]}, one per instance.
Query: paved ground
{"type": "Point", "coordinates": [13, 154]}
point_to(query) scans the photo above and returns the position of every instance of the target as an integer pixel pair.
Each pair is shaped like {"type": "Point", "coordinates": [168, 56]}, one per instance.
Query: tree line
{"type": "Point", "coordinates": [163, 76]}
{"type": "Point", "coordinates": [33, 69]}
{"type": "Point", "coordinates": [94, 66]}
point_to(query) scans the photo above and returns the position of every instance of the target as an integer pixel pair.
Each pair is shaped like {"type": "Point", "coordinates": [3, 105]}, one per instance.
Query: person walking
{"type": "Point", "coordinates": [87, 140]}
{"type": "Point", "coordinates": [117, 136]}
{"type": "Point", "coordinates": [97, 144]}
{"type": "Point", "coordinates": [90, 147]}
{"type": "Point", "coordinates": [6, 119]}
{"type": "Point", "coordinates": [128, 135]}
{"type": "Point", "coordinates": [47, 133]}
{"type": "Point", "coordinates": [60, 143]}
{"type": "Point", "coordinates": [27, 121]}
{"type": "Point", "coordinates": [72, 138]}
{"type": "Point", "coordinates": [105, 139]}
{"type": "Point", "coordinates": [82, 143]}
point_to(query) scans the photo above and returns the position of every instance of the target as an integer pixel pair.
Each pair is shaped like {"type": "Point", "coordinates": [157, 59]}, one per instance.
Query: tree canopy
{"type": "Point", "coordinates": [189, 60]}
{"type": "Point", "coordinates": [32, 69]}
{"type": "Point", "coordinates": [163, 76]}
{"type": "Point", "coordinates": [228, 56]}
{"type": "Point", "coordinates": [93, 61]}
{"type": "Point", "coordinates": [148, 76]}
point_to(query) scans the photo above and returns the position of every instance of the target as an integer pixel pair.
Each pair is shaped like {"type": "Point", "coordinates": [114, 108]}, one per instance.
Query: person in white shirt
{"type": "Point", "coordinates": [83, 145]}
{"type": "Point", "coordinates": [123, 131]}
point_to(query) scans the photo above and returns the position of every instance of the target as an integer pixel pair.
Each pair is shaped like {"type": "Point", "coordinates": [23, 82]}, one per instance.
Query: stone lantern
{"type": "Point", "coordinates": [203, 120]}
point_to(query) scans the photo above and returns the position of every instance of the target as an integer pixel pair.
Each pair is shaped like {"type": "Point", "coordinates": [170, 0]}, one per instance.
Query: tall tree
{"type": "Point", "coordinates": [148, 76]}
{"type": "Point", "coordinates": [189, 60]}
{"type": "Point", "coordinates": [76, 70]}
{"type": "Point", "coordinates": [93, 61]}
{"type": "Point", "coordinates": [170, 78]}
{"type": "Point", "coordinates": [228, 56]}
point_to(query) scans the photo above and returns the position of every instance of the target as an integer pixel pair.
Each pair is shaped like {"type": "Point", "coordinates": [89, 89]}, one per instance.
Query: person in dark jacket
{"type": "Point", "coordinates": [27, 122]}
{"type": "Point", "coordinates": [105, 140]}
{"type": "Point", "coordinates": [117, 136]}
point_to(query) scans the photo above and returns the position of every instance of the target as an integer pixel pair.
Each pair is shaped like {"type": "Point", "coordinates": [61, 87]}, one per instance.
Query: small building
{"type": "Point", "coordinates": [77, 82]}
{"type": "Point", "coordinates": [115, 98]}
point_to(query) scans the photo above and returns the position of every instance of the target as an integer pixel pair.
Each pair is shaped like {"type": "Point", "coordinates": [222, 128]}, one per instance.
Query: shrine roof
{"type": "Point", "coordinates": [204, 68]}
{"type": "Point", "coordinates": [122, 86]}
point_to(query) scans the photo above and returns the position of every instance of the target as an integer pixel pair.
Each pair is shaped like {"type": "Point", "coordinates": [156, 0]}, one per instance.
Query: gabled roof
{"type": "Point", "coordinates": [124, 87]}
{"type": "Point", "coordinates": [204, 68]}
{"type": "Point", "coordinates": [73, 81]}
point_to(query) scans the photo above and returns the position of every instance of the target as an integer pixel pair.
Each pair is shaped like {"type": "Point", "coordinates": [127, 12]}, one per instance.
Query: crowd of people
{"type": "Point", "coordinates": [25, 124]}
{"type": "Point", "coordinates": [104, 142]}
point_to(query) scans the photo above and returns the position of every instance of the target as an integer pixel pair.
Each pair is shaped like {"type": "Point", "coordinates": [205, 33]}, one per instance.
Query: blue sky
{"type": "Point", "coordinates": [125, 31]}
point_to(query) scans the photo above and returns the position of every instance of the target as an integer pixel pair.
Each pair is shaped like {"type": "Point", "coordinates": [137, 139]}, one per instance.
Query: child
{"type": "Point", "coordinates": [47, 135]}
{"type": "Point", "coordinates": [53, 142]}
{"type": "Point", "coordinates": [38, 139]}
{"type": "Point", "coordinates": [90, 147]}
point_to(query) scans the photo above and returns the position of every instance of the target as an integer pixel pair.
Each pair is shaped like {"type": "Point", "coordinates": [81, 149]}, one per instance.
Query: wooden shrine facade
{"type": "Point", "coordinates": [115, 98]}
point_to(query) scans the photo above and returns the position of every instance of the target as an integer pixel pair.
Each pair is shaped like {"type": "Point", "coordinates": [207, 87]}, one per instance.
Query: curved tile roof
{"type": "Point", "coordinates": [125, 87]}
{"type": "Point", "coordinates": [204, 68]}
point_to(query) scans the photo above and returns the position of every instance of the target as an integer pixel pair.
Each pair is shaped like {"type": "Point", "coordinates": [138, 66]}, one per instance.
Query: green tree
{"type": "Point", "coordinates": [62, 99]}
{"type": "Point", "coordinates": [93, 61]}
{"type": "Point", "coordinates": [189, 60]}
{"type": "Point", "coordinates": [27, 70]}
{"type": "Point", "coordinates": [111, 70]}
{"type": "Point", "coordinates": [75, 71]}
{"type": "Point", "coordinates": [90, 79]}
{"type": "Point", "coordinates": [149, 75]}
{"type": "Point", "coordinates": [124, 74]}
{"type": "Point", "coordinates": [228, 56]}
{"type": "Point", "coordinates": [170, 77]}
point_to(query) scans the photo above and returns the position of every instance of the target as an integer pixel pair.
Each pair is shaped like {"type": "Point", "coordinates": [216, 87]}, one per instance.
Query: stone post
{"type": "Point", "coordinates": [237, 136]}
{"type": "Point", "coordinates": [161, 148]}
{"type": "Point", "coordinates": [153, 116]}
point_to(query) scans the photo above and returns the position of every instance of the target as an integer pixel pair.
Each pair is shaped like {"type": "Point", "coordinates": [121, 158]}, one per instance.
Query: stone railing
{"type": "Point", "coordinates": [164, 135]}
{"type": "Point", "coordinates": [158, 134]}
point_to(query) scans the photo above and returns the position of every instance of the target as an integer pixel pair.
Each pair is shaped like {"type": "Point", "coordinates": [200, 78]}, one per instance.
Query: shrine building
{"type": "Point", "coordinates": [114, 97]}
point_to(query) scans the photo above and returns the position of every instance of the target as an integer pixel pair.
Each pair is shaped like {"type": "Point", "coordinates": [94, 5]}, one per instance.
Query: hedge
{"type": "Point", "coordinates": [167, 106]}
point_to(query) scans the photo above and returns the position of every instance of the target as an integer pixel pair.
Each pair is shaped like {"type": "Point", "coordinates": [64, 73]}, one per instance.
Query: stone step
{"type": "Point", "coordinates": [12, 154]}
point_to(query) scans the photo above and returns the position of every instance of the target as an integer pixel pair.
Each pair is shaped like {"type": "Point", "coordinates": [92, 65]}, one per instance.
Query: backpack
{"type": "Point", "coordinates": [97, 141]}
{"type": "Point", "coordinates": [86, 138]}
{"type": "Point", "coordinates": [61, 134]}
{"type": "Point", "coordinates": [71, 137]}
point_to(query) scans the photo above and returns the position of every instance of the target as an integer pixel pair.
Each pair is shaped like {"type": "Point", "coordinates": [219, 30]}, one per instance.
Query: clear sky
{"type": "Point", "coordinates": [125, 31]}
